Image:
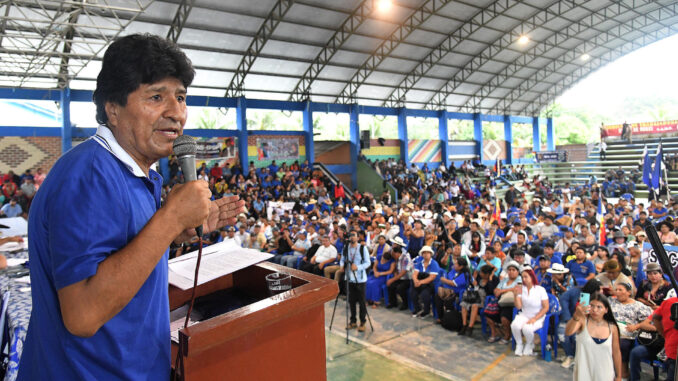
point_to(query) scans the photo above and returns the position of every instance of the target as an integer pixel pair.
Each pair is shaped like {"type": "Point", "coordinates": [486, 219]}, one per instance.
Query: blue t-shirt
{"type": "Point", "coordinates": [544, 280]}
{"type": "Point", "coordinates": [459, 279]}
{"type": "Point", "coordinates": [90, 206]}
{"type": "Point", "coordinates": [580, 271]}
{"type": "Point", "coordinates": [496, 262]}
{"type": "Point", "coordinates": [12, 211]}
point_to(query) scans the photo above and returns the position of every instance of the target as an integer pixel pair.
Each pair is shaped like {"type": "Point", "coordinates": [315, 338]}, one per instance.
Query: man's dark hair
{"type": "Point", "coordinates": [134, 60]}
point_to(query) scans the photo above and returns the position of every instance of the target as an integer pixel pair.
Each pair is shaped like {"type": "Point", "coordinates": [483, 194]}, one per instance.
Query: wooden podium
{"type": "Point", "coordinates": [280, 337]}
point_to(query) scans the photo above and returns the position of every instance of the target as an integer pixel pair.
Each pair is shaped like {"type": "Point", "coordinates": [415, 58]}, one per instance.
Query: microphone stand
{"type": "Point", "coordinates": [347, 266]}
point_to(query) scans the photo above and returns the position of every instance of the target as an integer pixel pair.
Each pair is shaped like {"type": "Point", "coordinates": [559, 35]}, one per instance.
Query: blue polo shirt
{"type": "Point", "coordinates": [432, 268]}
{"type": "Point", "coordinates": [580, 271]}
{"type": "Point", "coordinates": [94, 201]}
{"type": "Point", "coordinates": [460, 279]}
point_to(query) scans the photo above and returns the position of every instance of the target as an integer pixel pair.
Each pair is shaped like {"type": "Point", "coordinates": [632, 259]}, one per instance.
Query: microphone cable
{"type": "Point", "coordinates": [179, 362]}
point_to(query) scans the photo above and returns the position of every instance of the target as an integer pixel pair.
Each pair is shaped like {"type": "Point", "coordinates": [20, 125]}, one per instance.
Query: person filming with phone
{"type": "Point", "coordinates": [598, 357]}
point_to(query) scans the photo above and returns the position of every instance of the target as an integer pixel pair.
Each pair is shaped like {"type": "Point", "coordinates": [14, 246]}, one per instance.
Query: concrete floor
{"type": "Point", "coordinates": [406, 348]}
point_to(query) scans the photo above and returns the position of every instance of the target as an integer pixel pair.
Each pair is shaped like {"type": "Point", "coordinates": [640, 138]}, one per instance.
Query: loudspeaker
{"type": "Point", "coordinates": [365, 139]}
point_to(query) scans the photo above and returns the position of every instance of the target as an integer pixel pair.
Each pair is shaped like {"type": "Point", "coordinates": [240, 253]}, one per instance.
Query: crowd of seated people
{"type": "Point", "coordinates": [538, 257]}
{"type": "Point", "coordinates": [618, 182]}
{"type": "Point", "coordinates": [18, 191]}
{"type": "Point", "coordinates": [440, 248]}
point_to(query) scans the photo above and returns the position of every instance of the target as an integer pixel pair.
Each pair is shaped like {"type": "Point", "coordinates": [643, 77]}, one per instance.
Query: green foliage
{"type": "Point", "coordinates": [460, 129]}
{"type": "Point", "coordinates": [573, 125]}
{"type": "Point", "coordinates": [330, 126]}
{"type": "Point", "coordinates": [522, 135]}
{"type": "Point", "coordinates": [380, 126]}
{"type": "Point", "coordinates": [422, 128]}
{"type": "Point", "coordinates": [493, 131]}
{"type": "Point", "coordinates": [211, 118]}
{"type": "Point", "coordinates": [272, 120]}
{"type": "Point", "coordinates": [580, 125]}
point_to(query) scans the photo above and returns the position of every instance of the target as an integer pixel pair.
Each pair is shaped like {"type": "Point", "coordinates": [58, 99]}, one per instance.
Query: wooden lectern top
{"type": "Point", "coordinates": [267, 338]}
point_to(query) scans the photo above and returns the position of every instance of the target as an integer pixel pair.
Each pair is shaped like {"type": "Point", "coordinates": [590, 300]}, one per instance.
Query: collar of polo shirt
{"type": "Point", "coordinates": [105, 138]}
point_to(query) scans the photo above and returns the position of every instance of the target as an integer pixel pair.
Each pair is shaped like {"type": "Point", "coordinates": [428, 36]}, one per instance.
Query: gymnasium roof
{"type": "Point", "coordinates": [490, 56]}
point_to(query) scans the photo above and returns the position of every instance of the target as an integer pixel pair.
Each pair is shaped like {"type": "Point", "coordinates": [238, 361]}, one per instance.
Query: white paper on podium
{"type": "Point", "coordinates": [16, 226]}
{"type": "Point", "coordinates": [14, 246]}
{"type": "Point", "coordinates": [217, 260]}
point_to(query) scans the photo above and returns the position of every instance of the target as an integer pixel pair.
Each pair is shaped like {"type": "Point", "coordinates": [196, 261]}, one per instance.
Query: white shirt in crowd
{"type": "Point", "coordinates": [532, 300]}
{"type": "Point", "coordinates": [325, 253]}
{"type": "Point", "coordinates": [235, 240]}
{"type": "Point", "coordinates": [244, 238]}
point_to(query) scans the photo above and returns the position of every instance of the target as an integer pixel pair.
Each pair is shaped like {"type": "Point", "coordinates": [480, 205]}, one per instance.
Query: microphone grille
{"type": "Point", "coordinates": [185, 145]}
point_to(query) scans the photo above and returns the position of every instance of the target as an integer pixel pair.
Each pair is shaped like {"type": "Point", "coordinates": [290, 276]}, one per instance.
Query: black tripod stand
{"type": "Point", "coordinates": [348, 266]}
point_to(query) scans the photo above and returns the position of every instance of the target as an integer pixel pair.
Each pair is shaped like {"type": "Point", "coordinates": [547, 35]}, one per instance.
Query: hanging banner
{"type": "Point", "coordinates": [649, 256]}
{"type": "Point", "coordinates": [278, 148]}
{"type": "Point", "coordinates": [551, 156]}
{"type": "Point", "coordinates": [645, 128]}
{"type": "Point", "coordinates": [215, 151]}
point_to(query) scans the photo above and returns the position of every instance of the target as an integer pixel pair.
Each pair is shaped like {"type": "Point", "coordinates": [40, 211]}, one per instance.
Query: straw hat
{"type": "Point", "coordinates": [398, 241]}
{"type": "Point", "coordinates": [425, 249]}
{"type": "Point", "coordinates": [558, 268]}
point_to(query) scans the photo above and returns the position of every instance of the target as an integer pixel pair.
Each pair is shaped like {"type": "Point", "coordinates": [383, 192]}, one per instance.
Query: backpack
{"type": "Point", "coordinates": [451, 320]}
{"type": "Point", "coordinates": [492, 306]}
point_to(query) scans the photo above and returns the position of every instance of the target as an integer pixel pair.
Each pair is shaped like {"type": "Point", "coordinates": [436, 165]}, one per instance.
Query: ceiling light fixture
{"type": "Point", "coordinates": [523, 40]}
{"type": "Point", "coordinates": [384, 5]}
{"type": "Point", "coordinates": [585, 57]}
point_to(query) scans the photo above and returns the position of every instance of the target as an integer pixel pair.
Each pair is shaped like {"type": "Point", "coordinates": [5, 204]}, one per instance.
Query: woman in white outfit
{"type": "Point", "coordinates": [533, 301]}
{"type": "Point", "coordinates": [598, 357]}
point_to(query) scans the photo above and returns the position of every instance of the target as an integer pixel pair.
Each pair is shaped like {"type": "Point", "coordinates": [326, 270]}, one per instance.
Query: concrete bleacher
{"type": "Point", "coordinates": [618, 154]}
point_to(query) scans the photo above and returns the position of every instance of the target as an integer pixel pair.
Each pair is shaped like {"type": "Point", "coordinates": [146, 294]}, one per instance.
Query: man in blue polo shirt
{"type": "Point", "coordinates": [581, 268]}
{"type": "Point", "coordinates": [99, 236]}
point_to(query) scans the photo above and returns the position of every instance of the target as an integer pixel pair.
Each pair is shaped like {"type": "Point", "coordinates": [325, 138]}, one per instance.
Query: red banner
{"type": "Point", "coordinates": [646, 128]}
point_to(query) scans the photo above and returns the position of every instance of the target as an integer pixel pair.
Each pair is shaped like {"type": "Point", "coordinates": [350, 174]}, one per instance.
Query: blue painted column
{"type": "Point", "coordinates": [508, 136]}
{"type": "Point", "coordinates": [402, 136]}
{"type": "Point", "coordinates": [536, 145]}
{"type": "Point", "coordinates": [308, 132]}
{"type": "Point", "coordinates": [354, 135]}
{"type": "Point", "coordinates": [550, 135]}
{"type": "Point", "coordinates": [241, 123]}
{"type": "Point", "coordinates": [66, 127]}
{"type": "Point", "coordinates": [478, 134]}
{"type": "Point", "coordinates": [444, 138]}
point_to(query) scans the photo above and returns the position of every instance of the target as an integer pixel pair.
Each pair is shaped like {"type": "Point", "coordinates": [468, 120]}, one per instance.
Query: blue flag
{"type": "Point", "coordinates": [647, 168]}
{"type": "Point", "coordinates": [657, 169]}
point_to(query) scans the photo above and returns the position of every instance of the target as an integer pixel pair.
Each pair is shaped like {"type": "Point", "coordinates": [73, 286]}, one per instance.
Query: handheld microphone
{"type": "Point", "coordinates": [185, 149]}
